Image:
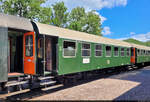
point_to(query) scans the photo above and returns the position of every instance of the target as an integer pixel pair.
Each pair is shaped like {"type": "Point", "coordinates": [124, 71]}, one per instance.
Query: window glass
{"type": "Point", "coordinates": [29, 45]}
{"type": "Point", "coordinates": [98, 50]}
{"type": "Point", "coordinates": [40, 48]}
{"type": "Point", "coordinates": [116, 51]}
{"type": "Point", "coordinates": [69, 48]}
{"type": "Point", "coordinates": [128, 51]}
{"type": "Point", "coordinates": [108, 50]}
{"type": "Point", "coordinates": [132, 52]}
{"type": "Point", "coordinates": [144, 52]}
{"type": "Point", "coordinates": [122, 51]}
{"type": "Point", "coordinates": [86, 49]}
{"type": "Point", "coordinates": [140, 52]}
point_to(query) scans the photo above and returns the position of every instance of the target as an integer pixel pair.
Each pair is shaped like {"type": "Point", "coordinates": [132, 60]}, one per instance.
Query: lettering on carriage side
{"type": "Point", "coordinates": [86, 60]}
{"type": "Point", "coordinates": [108, 61]}
{"type": "Point", "coordinates": [60, 48]}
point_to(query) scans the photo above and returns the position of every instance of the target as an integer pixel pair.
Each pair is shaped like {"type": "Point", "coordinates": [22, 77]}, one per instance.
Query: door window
{"type": "Point", "coordinates": [29, 45]}
{"type": "Point", "coordinates": [40, 48]}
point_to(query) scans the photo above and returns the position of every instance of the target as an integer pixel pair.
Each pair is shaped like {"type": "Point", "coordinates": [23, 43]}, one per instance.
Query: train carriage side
{"type": "Point", "coordinates": [79, 52]}
{"type": "Point", "coordinates": [88, 56]}
{"type": "Point", "coordinates": [12, 29]}
{"type": "Point", "coordinates": [142, 54]}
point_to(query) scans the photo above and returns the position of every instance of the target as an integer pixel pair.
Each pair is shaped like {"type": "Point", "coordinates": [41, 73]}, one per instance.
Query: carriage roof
{"type": "Point", "coordinates": [21, 23]}
{"type": "Point", "coordinates": [140, 46]}
{"type": "Point", "coordinates": [76, 35]}
{"type": "Point", "coordinates": [15, 22]}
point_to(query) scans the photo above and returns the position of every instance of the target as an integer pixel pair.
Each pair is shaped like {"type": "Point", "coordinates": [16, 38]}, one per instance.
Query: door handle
{"type": "Point", "coordinates": [43, 61]}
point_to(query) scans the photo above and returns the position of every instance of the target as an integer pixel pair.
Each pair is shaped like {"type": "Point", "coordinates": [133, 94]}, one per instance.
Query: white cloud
{"type": "Point", "coordinates": [106, 31]}
{"type": "Point", "coordinates": [132, 33]}
{"type": "Point", "coordinates": [102, 19]}
{"type": "Point", "coordinates": [140, 37]}
{"type": "Point", "coordinates": [91, 4]}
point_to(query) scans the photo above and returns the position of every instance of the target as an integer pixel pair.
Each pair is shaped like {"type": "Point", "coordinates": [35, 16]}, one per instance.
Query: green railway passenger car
{"type": "Point", "coordinates": [37, 50]}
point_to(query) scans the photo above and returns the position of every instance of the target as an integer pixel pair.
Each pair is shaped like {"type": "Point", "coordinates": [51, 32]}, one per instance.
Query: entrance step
{"type": "Point", "coordinates": [46, 73]}
{"type": "Point", "coordinates": [16, 84]}
{"type": "Point", "coordinates": [48, 83]}
{"type": "Point", "coordinates": [13, 83]}
{"type": "Point", "coordinates": [47, 77]}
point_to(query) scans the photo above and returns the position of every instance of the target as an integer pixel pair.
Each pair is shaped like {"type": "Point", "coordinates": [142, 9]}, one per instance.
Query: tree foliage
{"type": "Point", "coordinates": [78, 19]}
{"type": "Point", "coordinates": [93, 24]}
{"type": "Point", "coordinates": [84, 21]}
{"type": "Point", "coordinates": [31, 9]}
{"type": "Point", "coordinates": [60, 14]}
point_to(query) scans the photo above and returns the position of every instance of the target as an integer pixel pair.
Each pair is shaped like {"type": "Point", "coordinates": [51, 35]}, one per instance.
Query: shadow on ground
{"type": "Point", "coordinates": [140, 92]}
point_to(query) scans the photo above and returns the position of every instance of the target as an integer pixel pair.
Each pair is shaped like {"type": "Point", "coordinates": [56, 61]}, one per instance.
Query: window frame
{"type": "Point", "coordinates": [138, 52]}
{"type": "Point", "coordinates": [106, 51]}
{"type": "Point", "coordinates": [76, 46]}
{"type": "Point", "coordinates": [118, 51]}
{"type": "Point", "coordinates": [121, 52]}
{"type": "Point", "coordinates": [39, 49]}
{"type": "Point", "coordinates": [98, 50]}
{"type": "Point", "coordinates": [127, 52]}
{"type": "Point", "coordinates": [144, 52]}
{"type": "Point", "coordinates": [85, 49]}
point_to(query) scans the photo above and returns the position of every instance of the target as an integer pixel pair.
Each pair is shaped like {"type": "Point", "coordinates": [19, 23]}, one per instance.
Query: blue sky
{"type": "Point", "coordinates": [132, 20]}
{"type": "Point", "coordinates": [121, 19]}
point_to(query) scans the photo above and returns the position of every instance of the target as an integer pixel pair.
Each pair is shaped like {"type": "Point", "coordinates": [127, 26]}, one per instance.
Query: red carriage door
{"type": "Point", "coordinates": [29, 53]}
{"type": "Point", "coordinates": [133, 55]}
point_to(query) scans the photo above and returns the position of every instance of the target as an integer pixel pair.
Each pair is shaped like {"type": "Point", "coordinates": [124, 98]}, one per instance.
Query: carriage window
{"type": "Point", "coordinates": [138, 52]}
{"type": "Point", "coordinates": [98, 50]}
{"type": "Point", "coordinates": [29, 45]}
{"type": "Point", "coordinates": [116, 51]}
{"type": "Point", "coordinates": [148, 52]}
{"type": "Point", "coordinates": [144, 52]}
{"type": "Point", "coordinates": [128, 52]}
{"type": "Point", "coordinates": [108, 51]}
{"type": "Point", "coordinates": [122, 51]}
{"type": "Point", "coordinates": [69, 48]}
{"type": "Point", "coordinates": [86, 49]}
{"type": "Point", "coordinates": [40, 48]}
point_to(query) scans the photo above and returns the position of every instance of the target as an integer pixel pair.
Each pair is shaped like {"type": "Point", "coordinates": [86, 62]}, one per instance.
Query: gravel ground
{"type": "Point", "coordinates": [133, 85]}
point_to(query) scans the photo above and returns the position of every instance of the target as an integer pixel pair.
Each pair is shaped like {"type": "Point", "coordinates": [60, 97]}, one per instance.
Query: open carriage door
{"type": "Point", "coordinates": [29, 53]}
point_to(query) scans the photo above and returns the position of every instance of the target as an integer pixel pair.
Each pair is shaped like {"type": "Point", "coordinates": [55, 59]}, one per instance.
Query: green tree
{"type": "Point", "coordinates": [31, 9]}
{"type": "Point", "coordinates": [88, 22]}
{"type": "Point", "coordinates": [60, 14]}
{"type": "Point", "coordinates": [77, 19]}
{"type": "Point", "coordinates": [93, 24]}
